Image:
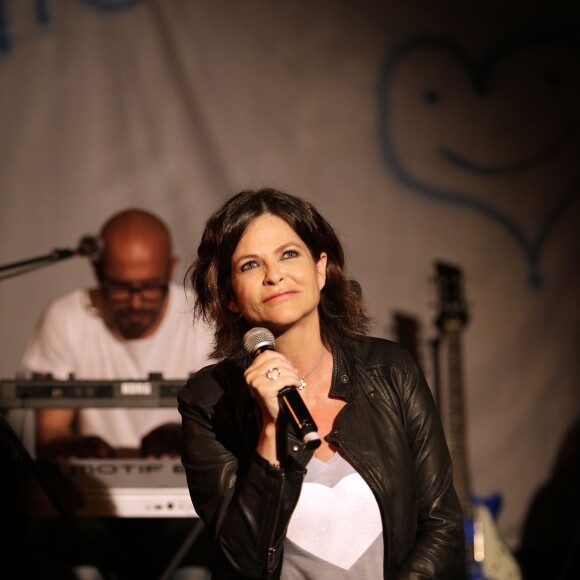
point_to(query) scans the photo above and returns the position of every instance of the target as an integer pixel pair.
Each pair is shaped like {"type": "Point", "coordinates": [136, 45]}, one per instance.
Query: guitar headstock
{"type": "Point", "coordinates": [452, 306]}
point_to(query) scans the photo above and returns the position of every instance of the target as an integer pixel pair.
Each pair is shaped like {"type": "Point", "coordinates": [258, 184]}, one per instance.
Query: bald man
{"type": "Point", "coordinates": [136, 321]}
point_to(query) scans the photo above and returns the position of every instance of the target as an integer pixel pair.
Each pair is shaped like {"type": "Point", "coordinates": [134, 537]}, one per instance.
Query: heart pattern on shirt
{"type": "Point", "coordinates": [337, 524]}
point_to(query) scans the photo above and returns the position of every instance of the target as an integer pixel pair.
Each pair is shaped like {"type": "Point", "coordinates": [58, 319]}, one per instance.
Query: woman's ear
{"type": "Point", "coordinates": [321, 270]}
{"type": "Point", "coordinates": [233, 306]}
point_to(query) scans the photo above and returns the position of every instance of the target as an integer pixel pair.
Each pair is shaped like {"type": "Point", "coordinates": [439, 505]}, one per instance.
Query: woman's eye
{"type": "Point", "coordinates": [248, 265]}
{"type": "Point", "coordinates": [289, 254]}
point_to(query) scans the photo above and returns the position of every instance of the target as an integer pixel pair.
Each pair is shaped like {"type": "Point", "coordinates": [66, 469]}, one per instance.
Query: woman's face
{"type": "Point", "coordinates": [276, 282]}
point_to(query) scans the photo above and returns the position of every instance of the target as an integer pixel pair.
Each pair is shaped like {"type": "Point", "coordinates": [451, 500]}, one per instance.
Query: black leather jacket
{"type": "Point", "coordinates": [389, 430]}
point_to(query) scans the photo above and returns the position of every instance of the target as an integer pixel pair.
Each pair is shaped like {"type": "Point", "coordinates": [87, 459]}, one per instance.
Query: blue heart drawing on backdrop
{"type": "Point", "coordinates": [436, 76]}
{"type": "Point", "coordinates": [41, 12]}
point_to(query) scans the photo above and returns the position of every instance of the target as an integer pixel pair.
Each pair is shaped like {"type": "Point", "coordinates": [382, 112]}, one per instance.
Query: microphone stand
{"type": "Point", "coordinates": [86, 248]}
{"type": "Point", "coordinates": [24, 266]}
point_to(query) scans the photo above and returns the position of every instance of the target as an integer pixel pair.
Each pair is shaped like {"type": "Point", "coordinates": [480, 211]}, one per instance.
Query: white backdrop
{"type": "Point", "coordinates": [421, 133]}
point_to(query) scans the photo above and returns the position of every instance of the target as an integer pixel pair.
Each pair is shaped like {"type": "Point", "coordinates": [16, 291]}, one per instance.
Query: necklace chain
{"type": "Point", "coordinates": [302, 381]}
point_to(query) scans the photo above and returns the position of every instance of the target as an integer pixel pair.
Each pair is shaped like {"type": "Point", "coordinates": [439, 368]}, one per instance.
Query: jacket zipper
{"type": "Point", "coordinates": [272, 550]}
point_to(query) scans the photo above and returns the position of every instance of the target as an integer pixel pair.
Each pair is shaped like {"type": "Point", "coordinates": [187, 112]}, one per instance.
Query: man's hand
{"type": "Point", "coordinates": [79, 446]}
{"type": "Point", "coordinates": [163, 442]}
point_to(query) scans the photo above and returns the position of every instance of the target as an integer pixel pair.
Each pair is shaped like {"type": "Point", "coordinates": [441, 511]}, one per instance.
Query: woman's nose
{"type": "Point", "coordinates": [273, 276]}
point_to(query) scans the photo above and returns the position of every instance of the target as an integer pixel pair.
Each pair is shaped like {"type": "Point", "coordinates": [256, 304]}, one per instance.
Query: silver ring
{"type": "Point", "coordinates": [271, 376]}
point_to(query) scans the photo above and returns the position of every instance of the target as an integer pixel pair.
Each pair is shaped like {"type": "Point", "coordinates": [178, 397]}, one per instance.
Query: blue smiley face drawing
{"type": "Point", "coordinates": [498, 134]}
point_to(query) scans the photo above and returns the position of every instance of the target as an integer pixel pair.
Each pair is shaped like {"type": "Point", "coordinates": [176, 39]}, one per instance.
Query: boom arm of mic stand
{"type": "Point", "coordinates": [31, 264]}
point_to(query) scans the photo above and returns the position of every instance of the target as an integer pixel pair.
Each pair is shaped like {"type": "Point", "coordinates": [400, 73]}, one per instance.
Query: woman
{"type": "Point", "coordinates": [376, 499]}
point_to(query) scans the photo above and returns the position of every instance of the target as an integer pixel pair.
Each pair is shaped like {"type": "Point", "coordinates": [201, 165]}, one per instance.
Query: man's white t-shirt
{"type": "Point", "coordinates": [72, 338]}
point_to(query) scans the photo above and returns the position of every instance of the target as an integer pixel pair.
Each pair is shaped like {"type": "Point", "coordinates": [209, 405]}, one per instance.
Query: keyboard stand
{"type": "Point", "coordinates": [189, 541]}
{"type": "Point", "coordinates": [32, 468]}
{"type": "Point", "coordinates": [19, 453]}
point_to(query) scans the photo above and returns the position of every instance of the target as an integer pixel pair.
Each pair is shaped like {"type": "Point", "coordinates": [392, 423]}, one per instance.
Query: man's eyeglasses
{"type": "Point", "coordinates": [121, 292]}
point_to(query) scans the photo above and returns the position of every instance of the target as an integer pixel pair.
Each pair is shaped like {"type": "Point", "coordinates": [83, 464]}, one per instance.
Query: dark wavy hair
{"type": "Point", "coordinates": [341, 309]}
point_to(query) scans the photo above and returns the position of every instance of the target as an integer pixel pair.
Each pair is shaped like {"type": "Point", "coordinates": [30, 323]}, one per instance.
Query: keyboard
{"type": "Point", "coordinates": [46, 393]}
{"type": "Point", "coordinates": [130, 488]}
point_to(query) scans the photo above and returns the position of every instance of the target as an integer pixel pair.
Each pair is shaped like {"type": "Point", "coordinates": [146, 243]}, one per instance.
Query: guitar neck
{"type": "Point", "coordinates": [486, 554]}
{"type": "Point", "coordinates": [454, 413]}
{"type": "Point", "coordinates": [451, 321]}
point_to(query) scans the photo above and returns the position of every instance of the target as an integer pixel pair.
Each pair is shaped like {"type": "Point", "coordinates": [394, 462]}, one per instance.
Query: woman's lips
{"type": "Point", "coordinates": [279, 296]}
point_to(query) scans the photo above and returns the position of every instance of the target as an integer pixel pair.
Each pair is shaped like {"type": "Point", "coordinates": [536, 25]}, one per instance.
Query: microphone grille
{"type": "Point", "coordinates": [257, 338]}
{"type": "Point", "coordinates": [90, 246]}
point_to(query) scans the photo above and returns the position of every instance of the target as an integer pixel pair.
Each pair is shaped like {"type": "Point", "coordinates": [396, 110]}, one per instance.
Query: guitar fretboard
{"type": "Point", "coordinates": [454, 412]}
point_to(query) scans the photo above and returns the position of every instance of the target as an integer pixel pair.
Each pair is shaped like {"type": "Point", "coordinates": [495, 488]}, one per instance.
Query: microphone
{"type": "Point", "coordinates": [89, 246]}
{"type": "Point", "coordinates": [257, 340]}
